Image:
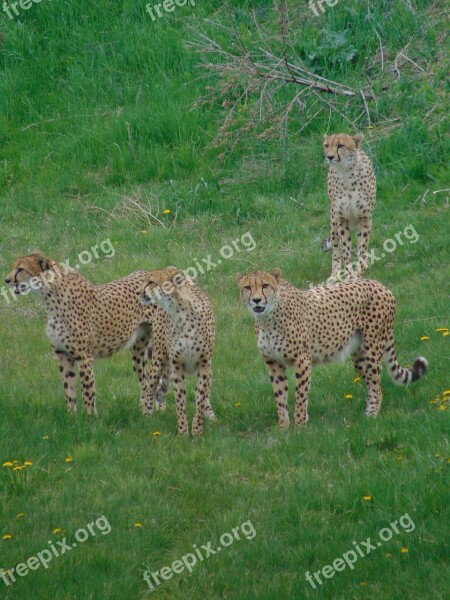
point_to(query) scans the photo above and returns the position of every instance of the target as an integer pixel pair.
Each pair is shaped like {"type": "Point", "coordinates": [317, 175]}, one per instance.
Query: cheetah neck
{"type": "Point", "coordinates": [345, 171]}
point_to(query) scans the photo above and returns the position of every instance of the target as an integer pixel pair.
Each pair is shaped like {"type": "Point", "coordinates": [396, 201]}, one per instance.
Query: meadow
{"type": "Point", "coordinates": [100, 142]}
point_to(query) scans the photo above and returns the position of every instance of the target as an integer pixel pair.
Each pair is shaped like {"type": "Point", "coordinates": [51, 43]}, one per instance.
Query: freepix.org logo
{"type": "Point", "coordinates": [57, 549]}
{"type": "Point", "coordinates": [189, 560]}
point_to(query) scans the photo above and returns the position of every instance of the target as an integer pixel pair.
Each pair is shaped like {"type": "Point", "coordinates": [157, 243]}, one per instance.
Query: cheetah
{"type": "Point", "coordinates": [324, 324]}
{"type": "Point", "coordinates": [352, 192]}
{"type": "Point", "coordinates": [86, 321]}
{"type": "Point", "coordinates": [188, 344]}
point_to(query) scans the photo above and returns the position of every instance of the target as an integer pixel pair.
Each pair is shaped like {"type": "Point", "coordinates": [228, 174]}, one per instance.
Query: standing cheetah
{"type": "Point", "coordinates": [86, 321]}
{"type": "Point", "coordinates": [324, 324]}
{"type": "Point", "coordinates": [188, 344]}
{"type": "Point", "coordinates": [352, 192]}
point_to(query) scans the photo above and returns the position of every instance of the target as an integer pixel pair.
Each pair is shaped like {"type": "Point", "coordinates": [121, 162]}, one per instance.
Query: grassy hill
{"type": "Point", "coordinates": [99, 135]}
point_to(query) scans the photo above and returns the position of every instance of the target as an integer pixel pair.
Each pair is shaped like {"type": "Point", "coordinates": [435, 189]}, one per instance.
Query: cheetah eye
{"type": "Point", "coordinates": [247, 288]}
{"type": "Point", "coordinates": [340, 146]}
{"type": "Point", "coordinates": [151, 282]}
{"type": "Point", "coordinates": [325, 145]}
{"type": "Point", "coordinates": [265, 286]}
{"type": "Point", "coordinates": [19, 270]}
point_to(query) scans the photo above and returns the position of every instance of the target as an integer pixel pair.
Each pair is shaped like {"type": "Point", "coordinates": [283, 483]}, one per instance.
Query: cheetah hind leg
{"type": "Point", "coordinates": [360, 364]}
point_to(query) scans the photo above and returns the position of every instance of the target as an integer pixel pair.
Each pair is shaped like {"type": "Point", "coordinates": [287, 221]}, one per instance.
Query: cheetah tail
{"type": "Point", "coordinates": [401, 375]}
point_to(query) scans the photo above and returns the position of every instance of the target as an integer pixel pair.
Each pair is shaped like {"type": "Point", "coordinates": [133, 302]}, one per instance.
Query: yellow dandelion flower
{"type": "Point", "coordinates": [446, 393]}
{"type": "Point", "coordinates": [18, 468]}
{"type": "Point", "coordinates": [357, 379]}
{"type": "Point", "coordinates": [404, 550]}
{"type": "Point", "coordinates": [20, 515]}
{"type": "Point", "coordinates": [367, 498]}
{"type": "Point", "coordinates": [348, 396]}
{"type": "Point", "coordinates": [15, 462]}
{"type": "Point", "coordinates": [437, 455]}
{"type": "Point", "coordinates": [7, 536]}
{"type": "Point", "coordinates": [439, 329]}
{"type": "Point", "coordinates": [424, 338]}
{"type": "Point", "coordinates": [8, 463]}
{"type": "Point", "coordinates": [445, 334]}
{"type": "Point", "coordinates": [56, 530]}
{"type": "Point", "coordinates": [442, 407]}
{"type": "Point", "coordinates": [144, 231]}
{"type": "Point", "coordinates": [138, 524]}
{"type": "Point", "coordinates": [68, 459]}
{"type": "Point", "coordinates": [45, 437]}
{"type": "Point", "coordinates": [167, 211]}
{"type": "Point", "coordinates": [156, 433]}
{"type": "Point", "coordinates": [28, 463]}
{"type": "Point", "coordinates": [237, 405]}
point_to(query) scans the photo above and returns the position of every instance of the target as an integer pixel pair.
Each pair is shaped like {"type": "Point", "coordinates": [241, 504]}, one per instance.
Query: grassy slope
{"type": "Point", "coordinates": [71, 78]}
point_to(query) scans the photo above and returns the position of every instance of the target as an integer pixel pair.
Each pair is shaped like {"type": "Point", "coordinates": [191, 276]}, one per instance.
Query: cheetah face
{"type": "Point", "coordinates": [162, 287]}
{"type": "Point", "coordinates": [259, 291]}
{"type": "Point", "coordinates": [341, 149]}
{"type": "Point", "coordinates": [26, 274]}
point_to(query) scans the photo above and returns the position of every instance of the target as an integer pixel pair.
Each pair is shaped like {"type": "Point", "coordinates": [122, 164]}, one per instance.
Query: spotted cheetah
{"type": "Point", "coordinates": [352, 193]}
{"type": "Point", "coordinates": [86, 321]}
{"type": "Point", "coordinates": [323, 324]}
{"type": "Point", "coordinates": [188, 344]}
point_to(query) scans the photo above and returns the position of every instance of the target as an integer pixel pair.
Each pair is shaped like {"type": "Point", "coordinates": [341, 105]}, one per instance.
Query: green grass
{"type": "Point", "coordinates": [72, 75]}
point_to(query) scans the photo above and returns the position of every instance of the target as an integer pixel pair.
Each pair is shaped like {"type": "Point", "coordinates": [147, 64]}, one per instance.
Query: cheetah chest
{"type": "Point", "coordinates": [55, 333]}
{"type": "Point", "coordinates": [350, 205]}
{"type": "Point", "coordinates": [185, 342]}
{"type": "Point", "coordinates": [270, 345]}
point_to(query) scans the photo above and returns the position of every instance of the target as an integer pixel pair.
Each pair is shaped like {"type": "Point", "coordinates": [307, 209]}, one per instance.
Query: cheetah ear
{"type": "Point", "coordinates": [276, 274]}
{"type": "Point", "coordinates": [43, 263]}
{"type": "Point", "coordinates": [238, 277]}
{"type": "Point", "coordinates": [357, 139]}
{"type": "Point", "coordinates": [178, 276]}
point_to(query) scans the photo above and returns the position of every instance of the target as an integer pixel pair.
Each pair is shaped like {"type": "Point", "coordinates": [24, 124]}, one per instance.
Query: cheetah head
{"type": "Point", "coordinates": [164, 287]}
{"type": "Point", "coordinates": [341, 150]}
{"type": "Point", "coordinates": [259, 291]}
{"type": "Point", "coordinates": [27, 273]}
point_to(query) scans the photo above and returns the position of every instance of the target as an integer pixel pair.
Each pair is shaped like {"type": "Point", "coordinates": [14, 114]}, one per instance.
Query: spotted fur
{"type": "Point", "coordinates": [86, 321]}
{"type": "Point", "coordinates": [188, 344]}
{"type": "Point", "coordinates": [324, 324]}
{"type": "Point", "coordinates": [352, 193]}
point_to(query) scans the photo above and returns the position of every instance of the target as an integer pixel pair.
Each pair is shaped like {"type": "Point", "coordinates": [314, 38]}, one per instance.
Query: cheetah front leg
{"type": "Point", "coordinates": [277, 373]}
{"type": "Point", "coordinates": [346, 247]}
{"type": "Point", "coordinates": [139, 352]}
{"type": "Point", "coordinates": [201, 397]}
{"type": "Point", "coordinates": [303, 380]}
{"type": "Point", "coordinates": [88, 384]}
{"type": "Point", "coordinates": [364, 231]}
{"type": "Point", "coordinates": [336, 251]}
{"type": "Point", "coordinates": [159, 365]}
{"type": "Point", "coordinates": [67, 370]}
{"type": "Point", "coordinates": [163, 388]}
{"type": "Point", "coordinates": [179, 386]}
